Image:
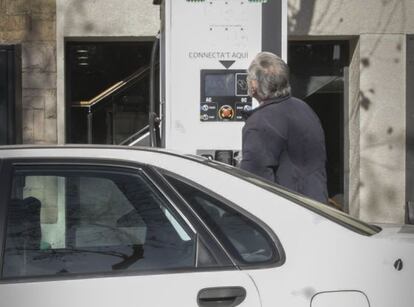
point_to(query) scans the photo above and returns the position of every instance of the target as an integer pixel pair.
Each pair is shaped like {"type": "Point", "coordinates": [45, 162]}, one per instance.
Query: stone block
{"type": "Point", "coordinates": [14, 23]}
{"type": "Point", "coordinates": [28, 129]}
{"type": "Point", "coordinates": [2, 7]}
{"type": "Point", "coordinates": [50, 135]}
{"type": "Point", "coordinates": [44, 7]}
{"type": "Point", "coordinates": [39, 57]}
{"type": "Point", "coordinates": [32, 92]}
{"type": "Point", "coordinates": [34, 102]}
{"type": "Point", "coordinates": [36, 98]}
{"type": "Point", "coordinates": [3, 21]}
{"type": "Point", "coordinates": [50, 104]}
{"type": "Point", "coordinates": [42, 30]}
{"type": "Point", "coordinates": [18, 7]}
{"type": "Point", "coordinates": [39, 125]}
{"type": "Point", "coordinates": [38, 80]}
{"type": "Point", "coordinates": [10, 37]}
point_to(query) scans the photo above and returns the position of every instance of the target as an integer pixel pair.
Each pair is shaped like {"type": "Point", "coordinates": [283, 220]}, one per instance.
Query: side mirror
{"type": "Point", "coordinates": [224, 156]}
{"type": "Point", "coordinates": [409, 213]}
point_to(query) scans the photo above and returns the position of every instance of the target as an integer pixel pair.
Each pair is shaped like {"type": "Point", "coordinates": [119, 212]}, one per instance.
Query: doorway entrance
{"type": "Point", "coordinates": [319, 77]}
{"type": "Point", "coordinates": [107, 90]}
{"type": "Point", "coordinates": [10, 95]}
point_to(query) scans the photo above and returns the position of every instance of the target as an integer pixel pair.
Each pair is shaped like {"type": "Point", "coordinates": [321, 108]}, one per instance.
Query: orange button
{"type": "Point", "coordinates": [226, 112]}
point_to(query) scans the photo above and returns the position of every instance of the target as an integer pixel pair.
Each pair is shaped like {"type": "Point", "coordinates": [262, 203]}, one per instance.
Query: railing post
{"type": "Point", "coordinates": [90, 119]}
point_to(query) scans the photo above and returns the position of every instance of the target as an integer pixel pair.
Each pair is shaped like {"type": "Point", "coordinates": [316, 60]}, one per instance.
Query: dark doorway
{"type": "Point", "coordinates": [409, 181]}
{"type": "Point", "coordinates": [10, 95]}
{"type": "Point", "coordinates": [318, 77]}
{"type": "Point", "coordinates": [109, 82]}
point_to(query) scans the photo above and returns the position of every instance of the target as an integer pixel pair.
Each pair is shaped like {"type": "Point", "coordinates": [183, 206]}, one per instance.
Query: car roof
{"type": "Point", "coordinates": [85, 146]}
{"type": "Point", "coordinates": [25, 148]}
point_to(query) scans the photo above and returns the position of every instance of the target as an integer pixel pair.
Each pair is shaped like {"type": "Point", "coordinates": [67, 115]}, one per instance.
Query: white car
{"type": "Point", "coordinates": [114, 226]}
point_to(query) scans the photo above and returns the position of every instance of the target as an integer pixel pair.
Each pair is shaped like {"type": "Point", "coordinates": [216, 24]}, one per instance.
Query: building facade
{"type": "Point", "coordinates": [360, 88]}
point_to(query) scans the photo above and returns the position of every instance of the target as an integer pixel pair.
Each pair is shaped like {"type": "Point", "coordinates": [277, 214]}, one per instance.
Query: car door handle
{"type": "Point", "coordinates": [221, 297]}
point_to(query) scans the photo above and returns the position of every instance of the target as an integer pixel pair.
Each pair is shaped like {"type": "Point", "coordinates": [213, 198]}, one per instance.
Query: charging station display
{"type": "Point", "coordinates": [224, 95]}
{"type": "Point", "coordinates": [219, 84]}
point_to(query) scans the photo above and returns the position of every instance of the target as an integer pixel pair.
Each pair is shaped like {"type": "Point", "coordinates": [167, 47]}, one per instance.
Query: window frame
{"type": "Point", "coordinates": [198, 234]}
{"type": "Point", "coordinates": [276, 244]}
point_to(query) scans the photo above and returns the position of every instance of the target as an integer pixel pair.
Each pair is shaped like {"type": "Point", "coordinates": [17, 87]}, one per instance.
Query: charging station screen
{"type": "Point", "coordinates": [219, 85]}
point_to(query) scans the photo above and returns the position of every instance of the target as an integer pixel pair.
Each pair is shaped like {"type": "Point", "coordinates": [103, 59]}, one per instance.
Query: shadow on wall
{"type": "Point", "coordinates": [304, 19]}
{"type": "Point", "coordinates": [322, 17]}
{"type": "Point", "coordinates": [76, 11]}
{"type": "Point", "coordinates": [300, 15]}
{"type": "Point", "coordinates": [380, 195]}
{"type": "Point", "coordinates": [377, 190]}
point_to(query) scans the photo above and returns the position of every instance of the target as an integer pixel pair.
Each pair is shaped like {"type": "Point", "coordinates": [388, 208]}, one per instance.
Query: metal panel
{"type": "Point", "coordinates": [214, 35]}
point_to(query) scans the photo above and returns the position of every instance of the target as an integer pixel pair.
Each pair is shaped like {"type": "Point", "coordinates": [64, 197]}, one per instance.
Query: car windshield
{"type": "Point", "coordinates": [332, 214]}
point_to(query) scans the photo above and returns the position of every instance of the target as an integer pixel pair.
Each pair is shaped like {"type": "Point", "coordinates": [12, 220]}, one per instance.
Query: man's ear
{"type": "Point", "coordinates": [253, 86]}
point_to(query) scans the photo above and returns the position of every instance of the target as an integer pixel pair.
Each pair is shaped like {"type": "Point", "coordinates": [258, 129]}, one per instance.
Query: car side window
{"type": "Point", "coordinates": [245, 240]}
{"type": "Point", "coordinates": [77, 221]}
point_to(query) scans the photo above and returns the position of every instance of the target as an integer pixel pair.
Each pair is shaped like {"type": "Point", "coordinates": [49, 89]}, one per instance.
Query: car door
{"type": "Point", "coordinates": [82, 233]}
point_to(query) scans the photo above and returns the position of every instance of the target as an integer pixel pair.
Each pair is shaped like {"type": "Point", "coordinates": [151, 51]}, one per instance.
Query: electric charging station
{"type": "Point", "coordinates": [205, 48]}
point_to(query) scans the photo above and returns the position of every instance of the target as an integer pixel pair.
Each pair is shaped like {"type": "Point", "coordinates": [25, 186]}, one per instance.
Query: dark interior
{"type": "Point", "coordinates": [92, 68]}
{"type": "Point", "coordinates": [10, 95]}
{"type": "Point", "coordinates": [317, 77]}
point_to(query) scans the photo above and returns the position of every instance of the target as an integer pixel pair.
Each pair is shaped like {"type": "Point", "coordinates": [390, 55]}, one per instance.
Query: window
{"type": "Point", "coordinates": [333, 215]}
{"type": "Point", "coordinates": [246, 241]}
{"type": "Point", "coordinates": [76, 221]}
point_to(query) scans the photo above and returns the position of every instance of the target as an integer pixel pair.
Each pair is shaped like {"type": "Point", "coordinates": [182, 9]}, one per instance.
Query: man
{"type": "Point", "coordinates": [283, 140]}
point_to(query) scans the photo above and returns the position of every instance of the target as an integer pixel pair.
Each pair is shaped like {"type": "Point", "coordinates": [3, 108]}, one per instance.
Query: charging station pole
{"type": "Point", "coordinates": [206, 47]}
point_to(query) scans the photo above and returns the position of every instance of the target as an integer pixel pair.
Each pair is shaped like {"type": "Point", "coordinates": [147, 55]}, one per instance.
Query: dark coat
{"type": "Point", "coordinates": [283, 141]}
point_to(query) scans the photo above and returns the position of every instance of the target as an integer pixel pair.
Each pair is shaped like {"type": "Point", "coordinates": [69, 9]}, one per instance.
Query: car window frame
{"type": "Point", "coordinates": [199, 235]}
{"type": "Point", "coordinates": [5, 191]}
{"type": "Point", "coordinates": [333, 215]}
{"type": "Point", "coordinates": [276, 243]}
{"type": "Point", "coordinates": [203, 228]}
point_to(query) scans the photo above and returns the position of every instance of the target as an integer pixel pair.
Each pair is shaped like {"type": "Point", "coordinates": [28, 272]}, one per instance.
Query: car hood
{"type": "Point", "coordinates": [404, 233]}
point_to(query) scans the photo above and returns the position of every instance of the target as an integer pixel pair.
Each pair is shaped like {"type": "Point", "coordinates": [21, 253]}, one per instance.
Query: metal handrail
{"type": "Point", "coordinates": [135, 136]}
{"type": "Point", "coordinates": [119, 86]}
{"type": "Point", "coordinates": [113, 90]}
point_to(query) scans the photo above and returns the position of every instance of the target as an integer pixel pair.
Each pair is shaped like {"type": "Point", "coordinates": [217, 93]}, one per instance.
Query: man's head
{"type": "Point", "coordinates": [268, 77]}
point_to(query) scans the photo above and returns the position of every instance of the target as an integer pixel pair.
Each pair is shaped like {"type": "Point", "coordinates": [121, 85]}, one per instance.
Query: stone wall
{"type": "Point", "coordinates": [32, 24]}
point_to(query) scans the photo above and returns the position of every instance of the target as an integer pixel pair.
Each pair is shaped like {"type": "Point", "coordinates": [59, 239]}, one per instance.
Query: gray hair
{"type": "Point", "coordinates": [272, 75]}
